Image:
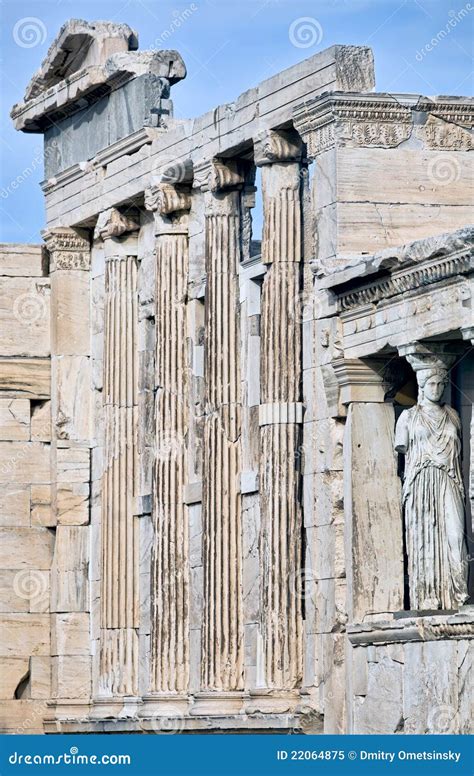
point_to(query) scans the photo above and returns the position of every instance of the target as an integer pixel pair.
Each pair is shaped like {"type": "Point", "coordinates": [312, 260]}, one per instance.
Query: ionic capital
{"type": "Point", "coordinates": [214, 175]}
{"type": "Point", "coordinates": [166, 198]}
{"type": "Point", "coordinates": [111, 223]}
{"type": "Point", "coordinates": [271, 146]}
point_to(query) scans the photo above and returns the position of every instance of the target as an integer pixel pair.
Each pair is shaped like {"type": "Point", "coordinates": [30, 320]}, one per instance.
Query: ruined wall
{"type": "Point", "coordinates": [27, 525]}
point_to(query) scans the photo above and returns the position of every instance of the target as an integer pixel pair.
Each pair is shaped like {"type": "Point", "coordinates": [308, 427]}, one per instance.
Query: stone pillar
{"type": "Point", "coordinates": [222, 638]}
{"type": "Point", "coordinates": [468, 334]}
{"type": "Point", "coordinates": [119, 529]}
{"type": "Point", "coordinates": [69, 252]}
{"type": "Point", "coordinates": [373, 518]}
{"type": "Point", "coordinates": [170, 553]}
{"type": "Point", "coordinates": [280, 419]}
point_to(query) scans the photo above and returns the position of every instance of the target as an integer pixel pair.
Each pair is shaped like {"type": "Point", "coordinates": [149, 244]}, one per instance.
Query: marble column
{"type": "Point", "coordinates": [119, 528]}
{"type": "Point", "coordinates": [170, 552]}
{"type": "Point", "coordinates": [280, 419]}
{"type": "Point", "coordinates": [373, 521]}
{"type": "Point", "coordinates": [71, 440]}
{"type": "Point", "coordinates": [222, 638]}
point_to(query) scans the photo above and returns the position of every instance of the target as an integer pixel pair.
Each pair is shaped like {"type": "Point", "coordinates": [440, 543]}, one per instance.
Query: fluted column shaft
{"type": "Point", "coordinates": [280, 421]}
{"type": "Point", "coordinates": [222, 664]}
{"type": "Point", "coordinates": [170, 561]}
{"type": "Point", "coordinates": [119, 593]}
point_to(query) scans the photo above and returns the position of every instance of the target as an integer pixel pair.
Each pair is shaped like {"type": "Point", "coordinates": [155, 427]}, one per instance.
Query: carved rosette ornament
{"type": "Point", "coordinates": [429, 435]}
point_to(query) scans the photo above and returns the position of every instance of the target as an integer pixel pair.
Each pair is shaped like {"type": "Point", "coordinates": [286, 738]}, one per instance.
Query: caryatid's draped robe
{"type": "Point", "coordinates": [433, 499]}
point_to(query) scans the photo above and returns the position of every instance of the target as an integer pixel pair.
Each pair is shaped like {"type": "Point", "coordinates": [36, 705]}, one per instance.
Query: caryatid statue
{"type": "Point", "coordinates": [429, 435]}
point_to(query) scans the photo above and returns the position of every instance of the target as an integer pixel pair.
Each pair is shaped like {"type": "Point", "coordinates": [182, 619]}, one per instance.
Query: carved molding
{"type": "Point", "coordinates": [361, 381]}
{"type": "Point", "coordinates": [111, 223]}
{"type": "Point", "coordinates": [459, 626]}
{"type": "Point", "coordinates": [407, 280]}
{"type": "Point", "coordinates": [379, 121]}
{"type": "Point", "coordinates": [68, 248]}
{"type": "Point", "coordinates": [215, 175]}
{"type": "Point", "coordinates": [374, 122]}
{"type": "Point", "coordinates": [271, 146]}
{"type": "Point", "coordinates": [166, 199]}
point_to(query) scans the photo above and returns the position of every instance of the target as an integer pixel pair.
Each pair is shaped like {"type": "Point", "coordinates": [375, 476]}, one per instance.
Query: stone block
{"type": "Point", "coordinates": [380, 711]}
{"type": "Point", "coordinates": [70, 634]}
{"type": "Point", "coordinates": [14, 420]}
{"type": "Point", "coordinates": [42, 513]}
{"type": "Point", "coordinates": [73, 465]}
{"type": "Point", "coordinates": [71, 312]}
{"type": "Point", "coordinates": [24, 463]}
{"type": "Point", "coordinates": [22, 260]}
{"type": "Point", "coordinates": [72, 502]}
{"type": "Point", "coordinates": [25, 377]}
{"type": "Point", "coordinates": [26, 548]}
{"type": "Point", "coordinates": [69, 572]}
{"type": "Point", "coordinates": [71, 677]}
{"type": "Point", "coordinates": [14, 505]}
{"type": "Point", "coordinates": [73, 383]}
{"type": "Point", "coordinates": [40, 677]}
{"type": "Point", "coordinates": [13, 670]}
{"type": "Point", "coordinates": [41, 421]}
{"type": "Point", "coordinates": [24, 316]}
{"type": "Point", "coordinates": [24, 635]}
{"type": "Point", "coordinates": [20, 717]}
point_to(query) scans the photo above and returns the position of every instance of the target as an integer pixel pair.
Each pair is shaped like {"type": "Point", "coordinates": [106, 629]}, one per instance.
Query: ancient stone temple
{"type": "Point", "coordinates": [236, 469]}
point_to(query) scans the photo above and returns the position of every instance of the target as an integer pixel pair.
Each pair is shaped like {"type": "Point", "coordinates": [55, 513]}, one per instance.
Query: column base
{"type": "Point", "coordinates": [122, 707]}
{"type": "Point", "coordinates": [217, 703]}
{"type": "Point", "coordinates": [164, 704]}
{"type": "Point", "coordinates": [268, 701]}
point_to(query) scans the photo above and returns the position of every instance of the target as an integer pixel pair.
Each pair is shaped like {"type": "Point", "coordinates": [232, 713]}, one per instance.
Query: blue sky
{"type": "Point", "coordinates": [228, 46]}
